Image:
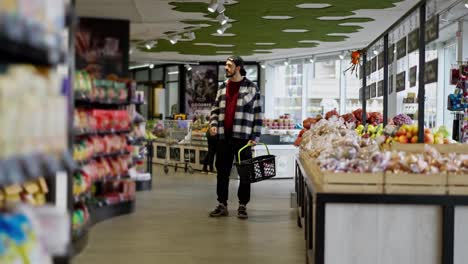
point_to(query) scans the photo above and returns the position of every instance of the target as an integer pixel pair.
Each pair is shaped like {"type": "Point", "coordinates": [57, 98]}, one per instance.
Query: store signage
{"type": "Point", "coordinates": [374, 65]}
{"type": "Point", "coordinates": [368, 92]}
{"type": "Point", "coordinates": [413, 40]}
{"type": "Point", "coordinates": [430, 71]}
{"type": "Point", "coordinates": [401, 81]}
{"type": "Point", "coordinates": [101, 47]}
{"type": "Point", "coordinates": [380, 88]}
{"type": "Point", "coordinates": [373, 90]}
{"type": "Point", "coordinates": [413, 76]}
{"type": "Point", "coordinates": [380, 60]}
{"type": "Point", "coordinates": [390, 84]}
{"type": "Point", "coordinates": [401, 48]}
{"type": "Point", "coordinates": [391, 54]}
{"type": "Point", "coordinates": [432, 29]}
{"type": "Point", "coordinates": [201, 89]}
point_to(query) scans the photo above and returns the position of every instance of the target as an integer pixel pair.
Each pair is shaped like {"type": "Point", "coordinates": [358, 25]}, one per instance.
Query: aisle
{"type": "Point", "coordinates": [171, 226]}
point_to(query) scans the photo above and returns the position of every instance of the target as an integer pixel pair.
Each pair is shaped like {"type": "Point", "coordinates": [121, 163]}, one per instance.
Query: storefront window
{"type": "Point", "coordinates": [172, 91]}
{"type": "Point", "coordinates": [324, 87]}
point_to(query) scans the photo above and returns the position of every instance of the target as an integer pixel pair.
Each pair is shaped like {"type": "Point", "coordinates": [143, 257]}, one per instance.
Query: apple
{"type": "Point", "coordinates": [414, 139]}
{"type": "Point", "coordinates": [439, 139]}
{"type": "Point", "coordinates": [403, 139]}
{"type": "Point", "coordinates": [409, 134]}
{"type": "Point", "coordinates": [446, 141]}
{"type": "Point", "coordinates": [428, 138]}
{"type": "Point", "coordinates": [414, 129]}
{"type": "Point", "coordinates": [401, 132]}
{"type": "Point", "coordinates": [427, 131]}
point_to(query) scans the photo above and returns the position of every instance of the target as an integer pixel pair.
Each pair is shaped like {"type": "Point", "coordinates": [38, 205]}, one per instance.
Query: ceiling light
{"type": "Point", "coordinates": [173, 73]}
{"type": "Point", "coordinates": [376, 52]}
{"type": "Point", "coordinates": [188, 67]}
{"type": "Point", "coordinates": [286, 63]}
{"type": "Point", "coordinates": [190, 35]}
{"type": "Point", "coordinates": [174, 39]}
{"type": "Point", "coordinates": [311, 60]}
{"type": "Point", "coordinates": [222, 19]}
{"type": "Point", "coordinates": [213, 6]}
{"type": "Point", "coordinates": [341, 56]}
{"type": "Point", "coordinates": [466, 3]}
{"type": "Point", "coordinates": [262, 65]}
{"type": "Point", "coordinates": [151, 66]}
{"type": "Point", "coordinates": [150, 44]}
{"type": "Point", "coordinates": [223, 29]}
{"type": "Point", "coordinates": [130, 51]}
{"type": "Point", "coordinates": [221, 8]}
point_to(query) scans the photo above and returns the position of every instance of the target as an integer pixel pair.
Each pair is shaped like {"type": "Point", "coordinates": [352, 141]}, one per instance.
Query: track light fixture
{"type": "Point", "coordinates": [213, 6]}
{"type": "Point", "coordinates": [223, 29]}
{"type": "Point", "coordinates": [466, 3]}
{"type": "Point", "coordinates": [151, 66]}
{"type": "Point", "coordinates": [188, 67]}
{"type": "Point", "coordinates": [174, 39]}
{"type": "Point", "coordinates": [190, 35]}
{"type": "Point", "coordinates": [150, 44]}
{"type": "Point", "coordinates": [286, 62]}
{"type": "Point", "coordinates": [341, 56]}
{"type": "Point", "coordinates": [376, 52]}
{"type": "Point", "coordinates": [263, 66]}
{"type": "Point", "coordinates": [222, 19]}
{"type": "Point", "coordinates": [311, 60]}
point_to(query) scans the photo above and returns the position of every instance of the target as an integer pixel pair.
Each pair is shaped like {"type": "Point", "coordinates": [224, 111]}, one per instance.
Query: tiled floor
{"type": "Point", "coordinates": [171, 226]}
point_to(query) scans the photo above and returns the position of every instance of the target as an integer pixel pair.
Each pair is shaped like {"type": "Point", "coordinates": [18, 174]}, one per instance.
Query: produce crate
{"type": "Point", "coordinates": [442, 148]}
{"type": "Point", "coordinates": [458, 184]}
{"type": "Point", "coordinates": [407, 183]}
{"type": "Point", "coordinates": [332, 182]}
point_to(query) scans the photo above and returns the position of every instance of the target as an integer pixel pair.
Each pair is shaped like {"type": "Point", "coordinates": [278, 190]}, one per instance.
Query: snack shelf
{"type": "Point", "coordinates": [103, 155]}
{"type": "Point", "coordinates": [85, 133]}
{"type": "Point", "coordinates": [112, 178]}
{"type": "Point", "coordinates": [100, 104]}
{"type": "Point", "coordinates": [81, 197]}
{"type": "Point", "coordinates": [137, 141]}
{"type": "Point", "coordinates": [18, 169]}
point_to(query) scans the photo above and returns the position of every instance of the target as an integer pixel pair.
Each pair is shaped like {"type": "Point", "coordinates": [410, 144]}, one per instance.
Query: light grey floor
{"type": "Point", "coordinates": [171, 226]}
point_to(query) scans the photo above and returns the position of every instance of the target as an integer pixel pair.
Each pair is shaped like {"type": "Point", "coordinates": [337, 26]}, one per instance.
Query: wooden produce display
{"type": "Point", "coordinates": [441, 148]}
{"type": "Point", "coordinates": [332, 182]}
{"type": "Point", "coordinates": [457, 184]}
{"type": "Point", "coordinates": [407, 183]}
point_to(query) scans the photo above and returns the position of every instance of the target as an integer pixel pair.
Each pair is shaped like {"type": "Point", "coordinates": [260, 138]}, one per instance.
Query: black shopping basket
{"type": "Point", "coordinates": [256, 169]}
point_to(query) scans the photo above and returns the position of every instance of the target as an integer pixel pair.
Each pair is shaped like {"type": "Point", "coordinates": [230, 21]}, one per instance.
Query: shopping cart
{"type": "Point", "coordinates": [178, 136]}
{"type": "Point", "coordinates": [256, 169]}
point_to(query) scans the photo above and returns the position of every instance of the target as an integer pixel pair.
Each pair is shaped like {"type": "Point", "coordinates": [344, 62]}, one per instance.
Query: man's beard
{"type": "Point", "coordinates": [230, 75]}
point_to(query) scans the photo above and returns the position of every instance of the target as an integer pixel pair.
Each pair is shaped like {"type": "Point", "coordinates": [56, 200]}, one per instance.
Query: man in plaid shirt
{"type": "Point", "coordinates": [236, 118]}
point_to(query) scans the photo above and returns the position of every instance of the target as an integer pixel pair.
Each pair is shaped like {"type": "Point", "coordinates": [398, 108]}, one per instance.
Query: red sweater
{"type": "Point", "coordinates": [232, 93]}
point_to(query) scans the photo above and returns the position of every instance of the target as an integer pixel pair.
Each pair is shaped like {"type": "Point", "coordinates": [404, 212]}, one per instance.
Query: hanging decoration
{"type": "Point", "coordinates": [355, 61]}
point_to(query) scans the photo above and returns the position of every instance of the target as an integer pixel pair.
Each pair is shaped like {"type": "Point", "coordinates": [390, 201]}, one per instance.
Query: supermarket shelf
{"type": "Point", "coordinates": [99, 214]}
{"type": "Point", "coordinates": [100, 104]}
{"type": "Point", "coordinates": [85, 133]}
{"type": "Point", "coordinates": [18, 169]}
{"type": "Point", "coordinates": [112, 178]}
{"type": "Point", "coordinates": [13, 51]}
{"type": "Point", "coordinates": [144, 185]}
{"type": "Point", "coordinates": [81, 197]}
{"type": "Point", "coordinates": [104, 155]}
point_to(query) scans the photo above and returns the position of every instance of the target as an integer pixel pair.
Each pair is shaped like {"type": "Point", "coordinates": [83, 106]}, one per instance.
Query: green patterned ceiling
{"type": "Point", "coordinates": [252, 34]}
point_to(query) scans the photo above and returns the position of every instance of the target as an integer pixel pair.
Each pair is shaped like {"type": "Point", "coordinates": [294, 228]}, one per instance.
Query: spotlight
{"type": "Point", "coordinates": [151, 66]}
{"type": "Point", "coordinates": [190, 35]}
{"type": "Point", "coordinates": [223, 29]}
{"type": "Point", "coordinates": [213, 6]}
{"type": "Point", "coordinates": [221, 8]}
{"type": "Point", "coordinates": [311, 60]}
{"type": "Point", "coordinates": [130, 51]}
{"type": "Point", "coordinates": [188, 67]}
{"type": "Point", "coordinates": [376, 52]}
{"type": "Point", "coordinates": [174, 39]}
{"type": "Point", "coordinates": [286, 63]}
{"type": "Point", "coordinates": [466, 3]}
{"type": "Point", "coordinates": [222, 19]}
{"type": "Point", "coordinates": [150, 44]}
{"type": "Point", "coordinates": [341, 56]}
{"type": "Point", "coordinates": [262, 65]}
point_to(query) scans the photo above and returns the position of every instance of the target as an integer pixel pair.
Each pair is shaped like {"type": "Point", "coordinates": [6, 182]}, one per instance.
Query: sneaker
{"type": "Point", "coordinates": [219, 211]}
{"type": "Point", "coordinates": [242, 212]}
{"type": "Point", "coordinates": [204, 171]}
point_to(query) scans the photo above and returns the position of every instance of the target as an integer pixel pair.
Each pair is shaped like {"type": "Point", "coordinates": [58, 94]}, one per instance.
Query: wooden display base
{"type": "Point", "coordinates": [330, 182]}
{"type": "Point", "coordinates": [406, 183]}
{"type": "Point", "coordinates": [458, 184]}
{"type": "Point", "coordinates": [419, 148]}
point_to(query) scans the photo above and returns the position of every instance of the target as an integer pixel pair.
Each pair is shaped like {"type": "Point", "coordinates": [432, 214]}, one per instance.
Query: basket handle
{"type": "Point", "coordinates": [250, 145]}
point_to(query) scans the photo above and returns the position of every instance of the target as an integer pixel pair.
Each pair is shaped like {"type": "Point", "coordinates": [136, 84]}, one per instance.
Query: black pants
{"type": "Point", "coordinates": [209, 158]}
{"type": "Point", "coordinates": [227, 149]}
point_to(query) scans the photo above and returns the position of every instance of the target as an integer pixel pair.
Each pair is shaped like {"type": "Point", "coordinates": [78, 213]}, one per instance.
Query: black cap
{"type": "Point", "coordinates": [237, 60]}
